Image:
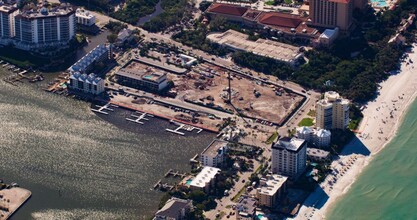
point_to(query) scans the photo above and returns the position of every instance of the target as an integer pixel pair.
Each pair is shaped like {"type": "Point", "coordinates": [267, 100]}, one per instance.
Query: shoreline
{"type": "Point", "coordinates": [382, 119]}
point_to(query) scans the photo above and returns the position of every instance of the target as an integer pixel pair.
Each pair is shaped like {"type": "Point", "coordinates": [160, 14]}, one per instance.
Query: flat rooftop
{"type": "Point", "coordinates": [7, 8]}
{"type": "Point", "coordinates": [290, 144]}
{"type": "Point", "coordinates": [272, 184]}
{"type": "Point", "coordinates": [272, 49]}
{"type": "Point", "coordinates": [214, 147]}
{"type": "Point", "coordinates": [147, 74]}
{"type": "Point", "coordinates": [317, 152]}
{"type": "Point", "coordinates": [45, 13]}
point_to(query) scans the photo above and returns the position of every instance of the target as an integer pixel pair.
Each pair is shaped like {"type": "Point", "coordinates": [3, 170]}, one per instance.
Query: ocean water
{"type": "Point", "coordinates": [80, 166]}
{"type": "Point", "coordinates": [387, 188]}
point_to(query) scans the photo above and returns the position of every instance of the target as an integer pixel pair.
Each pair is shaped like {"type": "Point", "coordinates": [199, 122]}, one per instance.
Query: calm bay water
{"type": "Point", "coordinates": [386, 189]}
{"type": "Point", "coordinates": [79, 166]}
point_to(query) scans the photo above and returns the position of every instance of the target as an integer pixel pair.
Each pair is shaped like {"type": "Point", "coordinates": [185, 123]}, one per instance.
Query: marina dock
{"type": "Point", "coordinates": [140, 117]}
{"type": "Point", "coordinates": [173, 173]}
{"type": "Point", "coordinates": [163, 116]}
{"type": "Point", "coordinates": [104, 108]}
{"type": "Point", "coordinates": [185, 127]}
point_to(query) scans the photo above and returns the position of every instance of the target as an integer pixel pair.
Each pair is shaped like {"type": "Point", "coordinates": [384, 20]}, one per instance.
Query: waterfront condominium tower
{"type": "Point", "coordinates": [331, 13]}
{"type": "Point", "coordinates": [7, 14]}
{"type": "Point", "coordinates": [332, 112]}
{"type": "Point", "coordinates": [289, 157]}
{"type": "Point", "coordinates": [43, 27]}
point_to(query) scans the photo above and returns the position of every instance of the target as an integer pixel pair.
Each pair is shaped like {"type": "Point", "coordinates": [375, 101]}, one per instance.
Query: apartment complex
{"type": "Point", "coordinates": [45, 28]}
{"type": "Point", "coordinates": [101, 53]}
{"type": "Point", "coordinates": [37, 28]}
{"type": "Point", "coordinates": [289, 157]}
{"type": "Point", "coordinates": [332, 13]}
{"type": "Point", "coordinates": [332, 112]}
{"type": "Point", "coordinates": [7, 15]}
{"type": "Point", "coordinates": [144, 79]}
{"type": "Point", "coordinates": [205, 179]}
{"type": "Point", "coordinates": [214, 154]}
{"type": "Point", "coordinates": [84, 83]}
{"type": "Point", "coordinates": [174, 209]}
{"type": "Point", "coordinates": [271, 190]}
{"type": "Point", "coordinates": [318, 137]}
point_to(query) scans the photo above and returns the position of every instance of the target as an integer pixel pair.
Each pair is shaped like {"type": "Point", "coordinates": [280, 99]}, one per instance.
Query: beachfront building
{"type": "Point", "coordinates": [246, 208]}
{"type": "Point", "coordinates": [317, 155]}
{"type": "Point", "coordinates": [144, 79]}
{"type": "Point", "coordinates": [174, 209]}
{"type": "Point", "coordinates": [7, 15]}
{"type": "Point", "coordinates": [214, 154]}
{"type": "Point", "coordinates": [289, 157]}
{"type": "Point", "coordinates": [271, 189]}
{"type": "Point", "coordinates": [90, 84]}
{"type": "Point", "coordinates": [205, 179]}
{"type": "Point", "coordinates": [332, 112]}
{"type": "Point", "coordinates": [331, 13]}
{"type": "Point", "coordinates": [318, 137]}
{"type": "Point", "coordinates": [45, 28]}
{"type": "Point", "coordinates": [85, 17]}
{"type": "Point", "coordinates": [101, 53]}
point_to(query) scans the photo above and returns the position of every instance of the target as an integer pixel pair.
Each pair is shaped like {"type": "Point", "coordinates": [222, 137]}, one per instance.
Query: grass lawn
{"type": "Point", "coordinates": [270, 2]}
{"type": "Point", "coordinates": [312, 113]}
{"type": "Point", "coordinates": [272, 138]}
{"type": "Point", "coordinates": [306, 122]}
{"type": "Point", "coordinates": [288, 1]}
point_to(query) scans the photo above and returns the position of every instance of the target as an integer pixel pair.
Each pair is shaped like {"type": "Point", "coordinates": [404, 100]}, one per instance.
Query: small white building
{"type": "Point", "coordinates": [123, 36]}
{"type": "Point", "coordinates": [91, 84]}
{"type": "Point", "coordinates": [327, 38]}
{"type": "Point", "coordinates": [318, 137]}
{"type": "Point", "coordinates": [205, 179]}
{"type": "Point", "coordinates": [85, 17]}
{"type": "Point", "coordinates": [213, 155]}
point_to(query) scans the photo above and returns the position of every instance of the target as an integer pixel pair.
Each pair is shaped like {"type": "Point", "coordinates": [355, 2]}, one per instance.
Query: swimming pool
{"type": "Point", "coordinates": [188, 182]}
{"type": "Point", "coordinates": [379, 3]}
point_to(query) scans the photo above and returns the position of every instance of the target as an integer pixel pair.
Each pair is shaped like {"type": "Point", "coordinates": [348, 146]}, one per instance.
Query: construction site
{"type": "Point", "coordinates": [208, 85]}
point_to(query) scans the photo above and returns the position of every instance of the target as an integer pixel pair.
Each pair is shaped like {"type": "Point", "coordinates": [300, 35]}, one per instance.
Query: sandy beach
{"type": "Point", "coordinates": [382, 118]}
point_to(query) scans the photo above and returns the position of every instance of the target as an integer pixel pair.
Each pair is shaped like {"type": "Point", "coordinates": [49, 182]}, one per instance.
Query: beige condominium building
{"type": "Point", "coordinates": [332, 13]}
{"type": "Point", "coordinates": [332, 112]}
{"type": "Point", "coordinates": [271, 190]}
{"type": "Point", "coordinates": [289, 157]}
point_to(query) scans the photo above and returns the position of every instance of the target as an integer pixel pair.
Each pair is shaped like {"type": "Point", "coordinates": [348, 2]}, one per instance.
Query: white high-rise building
{"type": "Point", "coordinates": [332, 112]}
{"type": "Point", "coordinates": [86, 83]}
{"type": "Point", "coordinates": [7, 14]}
{"type": "Point", "coordinates": [214, 154]}
{"type": "Point", "coordinates": [318, 137]}
{"type": "Point", "coordinates": [44, 27]}
{"type": "Point", "coordinates": [289, 156]}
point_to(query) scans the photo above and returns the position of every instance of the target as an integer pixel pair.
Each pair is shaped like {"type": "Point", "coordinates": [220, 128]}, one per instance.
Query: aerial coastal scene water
{"type": "Point", "coordinates": [78, 165]}
{"type": "Point", "coordinates": [208, 110]}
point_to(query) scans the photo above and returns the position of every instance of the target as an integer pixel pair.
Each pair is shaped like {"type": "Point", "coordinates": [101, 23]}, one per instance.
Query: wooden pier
{"type": "Point", "coordinates": [173, 173]}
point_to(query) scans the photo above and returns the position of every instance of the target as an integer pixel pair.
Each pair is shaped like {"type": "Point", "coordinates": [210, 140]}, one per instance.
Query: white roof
{"type": "Point", "coordinates": [205, 176]}
{"type": "Point", "coordinates": [304, 130]}
{"type": "Point", "coordinates": [329, 33]}
{"type": "Point", "coordinates": [323, 133]}
{"type": "Point", "coordinates": [272, 185]}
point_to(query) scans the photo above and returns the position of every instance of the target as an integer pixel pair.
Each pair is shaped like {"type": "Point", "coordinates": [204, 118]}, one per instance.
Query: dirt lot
{"type": "Point", "coordinates": [208, 84]}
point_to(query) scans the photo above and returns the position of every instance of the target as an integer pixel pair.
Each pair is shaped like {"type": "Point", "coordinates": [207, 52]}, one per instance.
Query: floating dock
{"type": "Point", "coordinates": [173, 173]}
{"type": "Point", "coordinates": [140, 117]}
{"type": "Point", "coordinates": [102, 109]}
{"type": "Point", "coordinates": [185, 127]}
